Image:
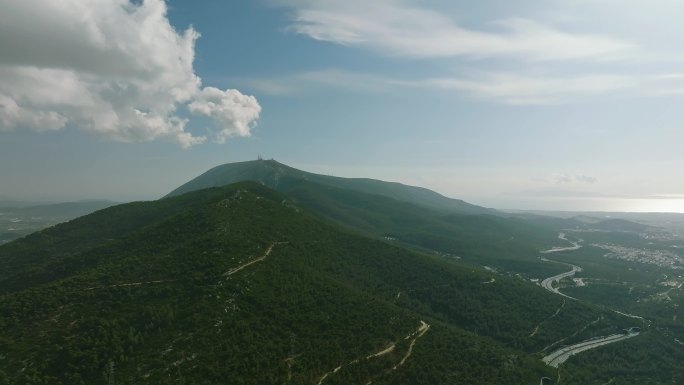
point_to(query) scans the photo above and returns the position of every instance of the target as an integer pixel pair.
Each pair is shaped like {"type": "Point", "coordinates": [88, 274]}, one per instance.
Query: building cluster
{"type": "Point", "coordinates": [661, 236]}
{"type": "Point", "coordinates": [662, 258]}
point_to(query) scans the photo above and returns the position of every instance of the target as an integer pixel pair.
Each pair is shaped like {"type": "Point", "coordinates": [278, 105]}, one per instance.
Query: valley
{"type": "Point", "coordinates": [558, 357]}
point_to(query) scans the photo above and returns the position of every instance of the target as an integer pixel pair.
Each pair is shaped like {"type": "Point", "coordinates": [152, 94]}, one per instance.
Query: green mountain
{"type": "Point", "coordinates": [406, 215]}
{"type": "Point", "coordinates": [510, 244]}
{"type": "Point", "coordinates": [619, 225]}
{"type": "Point", "coordinates": [271, 173]}
{"type": "Point", "coordinates": [242, 285]}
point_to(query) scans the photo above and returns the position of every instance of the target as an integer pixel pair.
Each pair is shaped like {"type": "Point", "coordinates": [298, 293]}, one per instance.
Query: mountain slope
{"type": "Point", "coordinates": [271, 173]}
{"type": "Point", "coordinates": [511, 244]}
{"type": "Point", "coordinates": [240, 283]}
{"type": "Point", "coordinates": [470, 233]}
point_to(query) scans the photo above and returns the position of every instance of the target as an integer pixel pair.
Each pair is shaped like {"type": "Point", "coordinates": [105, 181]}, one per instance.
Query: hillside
{"type": "Point", "coordinates": [511, 244]}
{"type": "Point", "coordinates": [399, 213]}
{"type": "Point", "coordinates": [241, 283]}
{"type": "Point", "coordinates": [271, 173]}
{"type": "Point", "coordinates": [619, 225]}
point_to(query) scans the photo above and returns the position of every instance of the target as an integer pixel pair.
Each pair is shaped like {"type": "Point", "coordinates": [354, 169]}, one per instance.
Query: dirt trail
{"type": "Point", "coordinates": [536, 329]}
{"type": "Point", "coordinates": [572, 335]}
{"type": "Point", "coordinates": [130, 284]}
{"type": "Point", "coordinates": [382, 352]}
{"type": "Point", "coordinates": [253, 261]}
{"type": "Point", "coordinates": [421, 331]}
{"type": "Point", "coordinates": [632, 316]}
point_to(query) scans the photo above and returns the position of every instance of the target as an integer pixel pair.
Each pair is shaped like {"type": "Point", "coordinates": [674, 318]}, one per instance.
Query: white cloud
{"type": "Point", "coordinates": [524, 89]}
{"type": "Point", "coordinates": [504, 87]}
{"type": "Point", "coordinates": [327, 78]}
{"type": "Point", "coordinates": [551, 52]}
{"type": "Point", "coordinates": [570, 179]}
{"type": "Point", "coordinates": [398, 28]}
{"type": "Point", "coordinates": [11, 115]}
{"type": "Point", "coordinates": [109, 67]}
{"type": "Point", "coordinates": [233, 110]}
{"type": "Point", "coordinates": [585, 179]}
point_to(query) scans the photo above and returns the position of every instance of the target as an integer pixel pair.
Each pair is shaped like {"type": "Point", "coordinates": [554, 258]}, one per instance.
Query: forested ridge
{"type": "Point", "coordinates": [144, 293]}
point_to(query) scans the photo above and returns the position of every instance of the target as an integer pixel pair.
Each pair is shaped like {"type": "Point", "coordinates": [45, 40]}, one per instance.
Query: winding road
{"type": "Point", "coordinates": [561, 355]}
{"type": "Point", "coordinates": [575, 245]}
{"type": "Point", "coordinates": [548, 282]}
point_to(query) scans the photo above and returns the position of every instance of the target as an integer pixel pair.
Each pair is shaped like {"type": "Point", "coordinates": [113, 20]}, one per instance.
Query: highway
{"type": "Point", "coordinates": [548, 282]}
{"type": "Point", "coordinates": [575, 245]}
{"type": "Point", "coordinates": [561, 355]}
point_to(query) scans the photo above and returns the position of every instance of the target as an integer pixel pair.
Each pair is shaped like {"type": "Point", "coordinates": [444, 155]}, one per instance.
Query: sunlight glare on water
{"type": "Point", "coordinates": [654, 205]}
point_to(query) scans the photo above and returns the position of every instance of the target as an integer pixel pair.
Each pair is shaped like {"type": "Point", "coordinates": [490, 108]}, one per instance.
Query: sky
{"type": "Point", "coordinates": [527, 104]}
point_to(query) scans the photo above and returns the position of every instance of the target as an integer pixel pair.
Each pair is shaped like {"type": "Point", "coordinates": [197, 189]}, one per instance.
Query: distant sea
{"type": "Point", "coordinates": [664, 205]}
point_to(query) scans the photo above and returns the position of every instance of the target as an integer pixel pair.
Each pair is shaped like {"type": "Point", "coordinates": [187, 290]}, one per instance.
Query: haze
{"type": "Point", "coordinates": [556, 105]}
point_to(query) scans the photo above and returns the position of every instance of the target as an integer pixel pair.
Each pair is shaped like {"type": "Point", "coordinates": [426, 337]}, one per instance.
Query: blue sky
{"type": "Point", "coordinates": [572, 105]}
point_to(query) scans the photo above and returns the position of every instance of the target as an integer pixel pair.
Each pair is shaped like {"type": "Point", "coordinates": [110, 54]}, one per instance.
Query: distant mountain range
{"type": "Point", "coordinates": [618, 221]}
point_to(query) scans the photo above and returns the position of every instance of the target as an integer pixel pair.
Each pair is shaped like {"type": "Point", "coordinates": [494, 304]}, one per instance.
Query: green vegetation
{"type": "Point", "coordinates": [630, 283]}
{"type": "Point", "coordinates": [649, 359]}
{"type": "Point", "coordinates": [327, 280]}
{"type": "Point", "coordinates": [144, 286]}
{"type": "Point", "coordinates": [409, 216]}
{"type": "Point", "coordinates": [507, 244]}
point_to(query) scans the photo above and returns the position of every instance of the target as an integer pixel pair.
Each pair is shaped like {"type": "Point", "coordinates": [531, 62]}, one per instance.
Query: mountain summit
{"type": "Point", "coordinates": [277, 176]}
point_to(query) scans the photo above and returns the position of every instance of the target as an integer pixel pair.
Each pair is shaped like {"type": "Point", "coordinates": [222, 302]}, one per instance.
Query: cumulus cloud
{"type": "Point", "coordinates": [110, 67]}
{"type": "Point", "coordinates": [399, 28]}
{"type": "Point", "coordinates": [233, 110]}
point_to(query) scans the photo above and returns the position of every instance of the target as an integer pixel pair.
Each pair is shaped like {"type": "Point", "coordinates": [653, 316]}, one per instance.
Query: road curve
{"type": "Point", "coordinates": [548, 282]}
{"type": "Point", "coordinates": [575, 245]}
{"type": "Point", "coordinates": [561, 355]}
